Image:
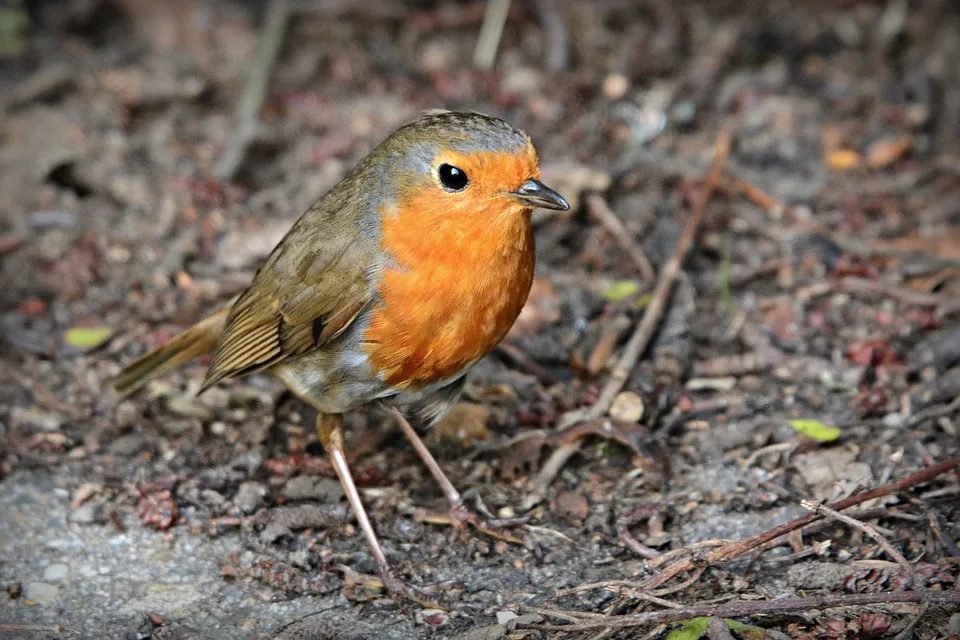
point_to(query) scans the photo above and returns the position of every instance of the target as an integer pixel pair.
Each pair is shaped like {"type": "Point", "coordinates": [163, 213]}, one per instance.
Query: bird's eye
{"type": "Point", "coordinates": [452, 178]}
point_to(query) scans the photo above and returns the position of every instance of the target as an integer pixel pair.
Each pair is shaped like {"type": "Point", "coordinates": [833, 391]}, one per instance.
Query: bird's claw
{"type": "Point", "coordinates": [460, 517]}
{"type": "Point", "coordinates": [403, 593]}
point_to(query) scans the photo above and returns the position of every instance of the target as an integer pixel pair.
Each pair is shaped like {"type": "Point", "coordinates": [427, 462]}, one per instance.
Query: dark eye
{"type": "Point", "coordinates": [452, 178]}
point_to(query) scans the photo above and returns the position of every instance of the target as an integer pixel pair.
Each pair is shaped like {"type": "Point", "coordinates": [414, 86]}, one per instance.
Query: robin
{"type": "Point", "coordinates": [387, 290]}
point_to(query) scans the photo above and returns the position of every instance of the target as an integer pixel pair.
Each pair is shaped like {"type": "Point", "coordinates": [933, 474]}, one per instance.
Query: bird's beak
{"type": "Point", "coordinates": [534, 193]}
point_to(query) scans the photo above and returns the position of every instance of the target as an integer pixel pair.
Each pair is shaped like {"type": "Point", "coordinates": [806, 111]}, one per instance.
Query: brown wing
{"type": "Point", "coordinates": [313, 285]}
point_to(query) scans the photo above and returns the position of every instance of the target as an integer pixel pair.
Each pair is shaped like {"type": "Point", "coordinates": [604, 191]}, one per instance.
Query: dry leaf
{"type": "Point", "coordinates": [465, 423]}
{"type": "Point", "coordinates": [886, 151]}
{"type": "Point", "coordinates": [843, 160]}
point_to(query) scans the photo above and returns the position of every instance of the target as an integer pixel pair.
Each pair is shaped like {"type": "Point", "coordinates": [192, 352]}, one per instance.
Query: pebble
{"type": "Point", "coordinates": [84, 514]}
{"type": "Point", "coordinates": [503, 617]}
{"type": "Point", "coordinates": [41, 420]}
{"type": "Point", "coordinates": [312, 488]}
{"type": "Point", "coordinates": [250, 497]}
{"type": "Point", "coordinates": [56, 572]}
{"type": "Point", "coordinates": [41, 592]}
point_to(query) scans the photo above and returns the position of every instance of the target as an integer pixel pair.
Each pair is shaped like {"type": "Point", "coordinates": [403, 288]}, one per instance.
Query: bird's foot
{"type": "Point", "coordinates": [404, 594]}
{"type": "Point", "coordinates": [461, 517]}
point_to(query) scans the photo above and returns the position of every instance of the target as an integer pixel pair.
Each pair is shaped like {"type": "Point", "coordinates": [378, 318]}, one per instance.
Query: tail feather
{"type": "Point", "coordinates": [199, 339]}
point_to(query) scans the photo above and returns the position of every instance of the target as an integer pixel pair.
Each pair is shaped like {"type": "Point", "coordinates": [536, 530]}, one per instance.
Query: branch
{"type": "Point", "coordinates": [255, 89]}
{"type": "Point", "coordinates": [746, 608]}
{"type": "Point", "coordinates": [737, 549]}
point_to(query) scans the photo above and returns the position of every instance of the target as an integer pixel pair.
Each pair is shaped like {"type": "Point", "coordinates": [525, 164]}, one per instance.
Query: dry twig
{"type": "Point", "coordinates": [255, 89]}
{"type": "Point", "coordinates": [742, 609]}
{"type": "Point", "coordinates": [737, 549]}
{"type": "Point", "coordinates": [494, 19]}
{"type": "Point", "coordinates": [601, 212]}
{"type": "Point", "coordinates": [648, 324]}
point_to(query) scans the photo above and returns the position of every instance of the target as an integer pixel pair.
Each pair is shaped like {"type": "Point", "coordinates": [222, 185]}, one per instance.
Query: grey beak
{"type": "Point", "coordinates": [536, 194]}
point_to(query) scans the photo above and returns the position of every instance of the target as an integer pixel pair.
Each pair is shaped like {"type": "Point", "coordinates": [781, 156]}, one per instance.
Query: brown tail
{"type": "Point", "coordinates": [199, 339]}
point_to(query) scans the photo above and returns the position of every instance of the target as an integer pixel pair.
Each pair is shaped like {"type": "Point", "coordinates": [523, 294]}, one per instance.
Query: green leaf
{"type": "Point", "coordinates": [747, 631]}
{"type": "Point", "coordinates": [620, 290]}
{"type": "Point", "coordinates": [815, 429]}
{"type": "Point", "coordinates": [694, 628]}
{"type": "Point", "coordinates": [14, 23]}
{"type": "Point", "coordinates": [689, 629]}
{"type": "Point", "coordinates": [86, 337]}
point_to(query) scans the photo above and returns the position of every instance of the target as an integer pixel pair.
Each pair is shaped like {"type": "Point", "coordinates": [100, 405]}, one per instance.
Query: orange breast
{"type": "Point", "coordinates": [457, 285]}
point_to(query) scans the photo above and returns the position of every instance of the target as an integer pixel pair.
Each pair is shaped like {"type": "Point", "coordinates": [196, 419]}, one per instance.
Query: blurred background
{"type": "Point", "coordinates": [153, 152]}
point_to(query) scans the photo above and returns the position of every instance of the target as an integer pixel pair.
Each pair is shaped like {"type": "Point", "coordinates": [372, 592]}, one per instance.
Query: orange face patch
{"type": "Point", "coordinates": [462, 265]}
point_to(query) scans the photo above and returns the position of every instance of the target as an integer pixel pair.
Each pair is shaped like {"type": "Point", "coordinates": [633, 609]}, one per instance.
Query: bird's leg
{"type": "Point", "coordinates": [330, 431]}
{"type": "Point", "coordinates": [460, 515]}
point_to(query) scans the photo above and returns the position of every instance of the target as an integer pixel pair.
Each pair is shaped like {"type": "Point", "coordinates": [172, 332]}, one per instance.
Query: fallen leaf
{"type": "Point", "coordinates": [886, 151]}
{"type": "Point", "coordinates": [621, 290]}
{"type": "Point", "coordinates": [695, 628]}
{"type": "Point", "coordinates": [944, 244]}
{"type": "Point", "coordinates": [843, 160]}
{"type": "Point", "coordinates": [86, 337]}
{"type": "Point", "coordinates": [815, 429]}
{"type": "Point", "coordinates": [465, 423]}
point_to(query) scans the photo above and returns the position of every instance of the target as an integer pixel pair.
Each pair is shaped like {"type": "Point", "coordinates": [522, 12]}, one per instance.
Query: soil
{"type": "Point", "coordinates": [811, 348]}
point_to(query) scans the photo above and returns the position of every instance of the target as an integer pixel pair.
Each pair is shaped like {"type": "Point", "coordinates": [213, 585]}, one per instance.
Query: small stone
{"type": "Point", "coordinates": [250, 497]}
{"type": "Point", "coordinates": [84, 514]}
{"type": "Point", "coordinates": [572, 504]}
{"type": "Point", "coordinates": [615, 86]}
{"type": "Point", "coordinates": [627, 406]}
{"type": "Point", "coordinates": [56, 572]}
{"type": "Point", "coordinates": [503, 617]}
{"type": "Point", "coordinates": [41, 592]}
{"type": "Point", "coordinates": [42, 420]}
{"type": "Point", "coordinates": [312, 488]}
{"type": "Point", "coordinates": [128, 445]}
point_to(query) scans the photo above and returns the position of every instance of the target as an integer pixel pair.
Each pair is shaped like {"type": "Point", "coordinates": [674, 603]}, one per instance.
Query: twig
{"type": "Point", "coordinates": [820, 509]}
{"type": "Point", "coordinates": [651, 318]}
{"type": "Point", "coordinates": [620, 584]}
{"type": "Point", "coordinates": [255, 89]}
{"type": "Point", "coordinates": [556, 40]}
{"type": "Point", "coordinates": [737, 549]}
{"type": "Point", "coordinates": [549, 471]}
{"type": "Point", "coordinates": [42, 394]}
{"type": "Point", "coordinates": [936, 525]}
{"type": "Point", "coordinates": [661, 295]}
{"type": "Point", "coordinates": [746, 608]}
{"type": "Point", "coordinates": [686, 550]}
{"type": "Point", "coordinates": [490, 31]}
{"type": "Point", "coordinates": [888, 548]}
{"type": "Point", "coordinates": [717, 629]}
{"type": "Point", "coordinates": [601, 212]}
{"type": "Point", "coordinates": [934, 412]}
{"type": "Point", "coordinates": [525, 362]}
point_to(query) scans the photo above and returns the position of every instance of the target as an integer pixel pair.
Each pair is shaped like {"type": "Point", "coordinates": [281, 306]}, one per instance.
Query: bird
{"type": "Point", "coordinates": [386, 291]}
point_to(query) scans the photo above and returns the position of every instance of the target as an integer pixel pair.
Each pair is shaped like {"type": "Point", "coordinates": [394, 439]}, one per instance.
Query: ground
{"type": "Point", "coordinates": [823, 287]}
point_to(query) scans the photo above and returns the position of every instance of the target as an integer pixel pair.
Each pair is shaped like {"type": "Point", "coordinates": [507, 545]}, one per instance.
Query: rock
{"type": "Point", "coordinates": [818, 575]}
{"type": "Point", "coordinates": [128, 445]}
{"type": "Point", "coordinates": [56, 572]}
{"type": "Point", "coordinates": [250, 497]}
{"type": "Point", "coordinates": [84, 514]}
{"type": "Point", "coordinates": [491, 632]}
{"type": "Point", "coordinates": [312, 488]}
{"type": "Point", "coordinates": [42, 420]}
{"type": "Point", "coordinates": [41, 592]}
{"type": "Point", "coordinates": [503, 617]}
{"type": "Point", "coordinates": [571, 504]}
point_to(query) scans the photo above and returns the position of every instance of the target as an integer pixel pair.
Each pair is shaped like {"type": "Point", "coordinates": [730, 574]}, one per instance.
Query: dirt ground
{"type": "Point", "coordinates": [810, 351]}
